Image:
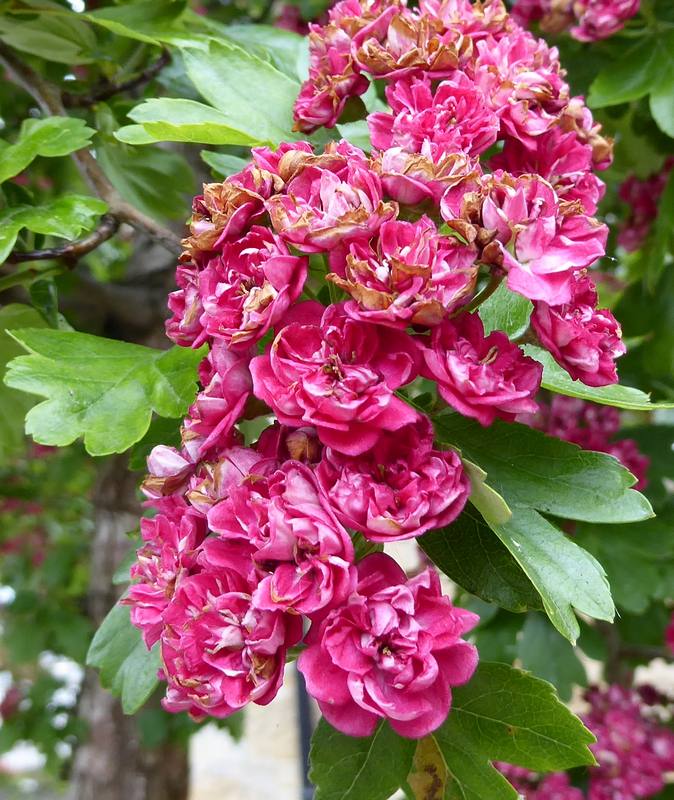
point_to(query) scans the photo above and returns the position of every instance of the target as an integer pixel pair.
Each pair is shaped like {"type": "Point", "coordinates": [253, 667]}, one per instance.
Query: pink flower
{"type": "Point", "coordinates": [641, 197]}
{"type": "Point", "coordinates": [475, 20]}
{"type": "Point", "coordinates": [184, 326]}
{"type": "Point", "coordinates": [584, 340]}
{"type": "Point", "coordinates": [538, 239]}
{"type": "Point", "coordinates": [480, 376]}
{"type": "Point", "coordinates": [209, 425]}
{"type": "Point", "coordinates": [248, 287]}
{"type": "Point", "coordinates": [167, 557]}
{"type": "Point", "coordinates": [454, 117]}
{"type": "Point", "coordinates": [303, 553]}
{"type": "Point", "coordinates": [414, 178]}
{"type": "Point", "coordinates": [394, 650]}
{"type": "Point", "coordinates": [523, 81]}
{"type": "Point", "coordinates": [214, 480]}
{"type": "Point", "coordinates": [412, 275]}
{"type": "Point", "coordinates": [219, 651]}
{"type": "Point", "coordinates": [340, 376]}
{"type": "Point", "coordinates": [401, 488]}
{"type": "Point", "coordinates": [627, 452]}
{"type": "Point", "coordinates": [337, 199]}
{"type": "Point", "coordinates": [599, 19]}
{"type": "Point", "coordinates": [669, 634]}
{"type": "Point", "coordinates": [533, 786]}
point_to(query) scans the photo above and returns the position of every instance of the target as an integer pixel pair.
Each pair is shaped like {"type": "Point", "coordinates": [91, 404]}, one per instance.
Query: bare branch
{"type": "Point", "coordinates": [48, 97]}
{"type": "Point", "coordinates": [108, 90]}
{"type": "Point", "coordinates": [71, 252]}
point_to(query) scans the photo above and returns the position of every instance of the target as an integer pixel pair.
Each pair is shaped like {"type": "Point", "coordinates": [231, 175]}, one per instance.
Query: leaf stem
{"type": "Point", "coordinates": [485, 294]}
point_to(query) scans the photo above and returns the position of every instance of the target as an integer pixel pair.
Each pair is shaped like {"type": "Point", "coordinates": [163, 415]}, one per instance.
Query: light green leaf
{"type": "Point", "coordinates": [531, 469]}
{"type": "Point", "coordinates": [52, 137]}
{"type": "Point", "coordinates": [63, 38]}
{"type": "Point", "coordinates": [66, 217]}
{"type": "Point", "coordinates": [662, 93]}
{"type": "Point", "coordinates": [251, 93]}
{"type": "Point", "coordinates": [630, 77]}
{"type": "Point", "coordinates": [356, 133]}
{"type": "Point", "coordinates": [269, 42]}
{"type": "Point", "coordinates": [101, 389]}
{"type": "Point", "coordinates": [145, 21]}
{"type": "Point", "coordinates": [487, 501]}
{"type": "Point", "coordinates": [173, 120]}
{"type": "Point", "coordinates": [127, 668]}
{"type": "Point", "coordinates": [469, 554]}
{"type": "Point", "coordinates": [548, 655]}
{"type": "Point", "coordinates": [222, 163]}
{"type": "Point", "coordinates": [505, 714]}
{"type": "Point", "coordinates": [506, 311]}
{"type": "Point", "coordinates": [348, 768]}
{"type": "Point", "coordinates": [565, 575]}
{"type": "Point", "coordinates": [558, 380]}
{"type": "Point", "coordinates": [14, 404]}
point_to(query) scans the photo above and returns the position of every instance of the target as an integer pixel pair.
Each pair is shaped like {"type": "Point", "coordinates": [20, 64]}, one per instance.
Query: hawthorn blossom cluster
{"type": "Point", "coordinates": [586, 20]}
{"type": "Point", "coordinates": [330, 289]}
{"type": "Point", "coordinates": [634, 750]}
{"type": "Point", "coordinates": [641, 196]}
{"type": "Point", "coordinates": [592, 427]}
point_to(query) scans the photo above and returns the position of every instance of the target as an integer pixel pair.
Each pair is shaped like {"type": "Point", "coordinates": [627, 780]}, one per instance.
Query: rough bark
{"type": "Point", "coordinates": [111, 764]}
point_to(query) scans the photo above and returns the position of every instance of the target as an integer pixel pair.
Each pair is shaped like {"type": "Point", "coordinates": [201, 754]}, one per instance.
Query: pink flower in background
{"type": "Point", "coordinates": [537, 239]}
{"type": "Point", "coordinates": [338, 375]}
{"type": "Point", "coordinates": [641, 197]}
{"type": "Point", "coordinates": [599, 19]}
{"type": "Point", "coordinates": [400, 489]}
{"type": "Point", "coordinates": [249, 286]}
{"type": "Point", "coordinates": [453, 117]}
{"type": "Point", "coordinates": [583, 339]}
{"type": "Point", "coordinates": [408, 275]}
{"type": "Point", "coordinates": [303, 553]}
{"type": "Point", "coordinates": [480, 376]}
{"type": "Point", "coordinates": [392, 651]}
{"type": "Point", "coordinates": [323, 207]}
{"type": "Point", "coordinates": [167, 556]}
{"type": "Point", "coordinates": [534, 786]}
{"type": "Point", "coordinates": [669, 635]}
{"type": "Point", "coordinates": [220, 652]}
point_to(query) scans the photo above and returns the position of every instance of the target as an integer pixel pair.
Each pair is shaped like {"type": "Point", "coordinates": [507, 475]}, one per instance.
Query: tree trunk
{"type": "Point", "coordinates": [110, 764]}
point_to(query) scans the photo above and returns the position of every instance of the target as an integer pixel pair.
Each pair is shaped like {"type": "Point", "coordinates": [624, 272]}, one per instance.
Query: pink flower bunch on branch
{"type": "Point", "coordinates": [332, 289]}
{"type": "Point", "coordinates": [587, 20]}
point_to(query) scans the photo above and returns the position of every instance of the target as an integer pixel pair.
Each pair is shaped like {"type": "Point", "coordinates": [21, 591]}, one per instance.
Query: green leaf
{"type": "Point", "coordinates": [126, 666]}
{"type": "Point", "coordinates": [269, 42]}
{"type": "Point", "coordinates": [356, 133]}
{"type": "Point", "coordinates": [145, 21]}
{"type": "Point", "coordinates": [101, 389]}
{"type": "Point", "coordinates": [529, 468]}
{"type": "Point", "coordinates": [469, 553]}
{"type": "Point", "coordinates": [487, 500]}
{"type": "Point", "coordinates": [62, 37]}
{"type": "Point", "coordinates": [660, 240]}
{"type": "Point", "coordinates": [505, 714]}
{"type": "Point", "coordinates": [161, 431]}
{"type": "Point", "coordinates": [662, 94]}
{"type": "Point", "coordinates": [656, 442]}
{"type": "Point", "coordinates": [506, 311]}
{"type": "Point", "coordinates": [558, 380]}
{"type": "Point", "coordinates": [348, 768]}
{"type": "Point", "coordinates": [66, 217]}
{"type": "Point", "coordinates": [251, 93]}
{"type": "Point", "coordinates": [549, 656]}
{"type": "Point", "coordinates": [565, 575]}
{"type": "Point", "coordinates": [156, 181]}
{"type": "Point", "coordinates": [172, 120]}
{"type": "Point", "coordinates": [223, 164]}
{"type": "Point", "coordinates": [630, 77]}
{"type": "Point", "coordinates": [14, 404]}
{"type": "Point", "coordinates": [51, 137]}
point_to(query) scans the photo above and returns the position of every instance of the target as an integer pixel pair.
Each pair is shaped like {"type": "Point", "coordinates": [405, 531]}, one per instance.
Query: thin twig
{"type": "Point", "coordinates": [48, 98]}
{"type": "Point", "coordinates": [109, 90]}
{"type": "Point", "coordinates": [70, 253]}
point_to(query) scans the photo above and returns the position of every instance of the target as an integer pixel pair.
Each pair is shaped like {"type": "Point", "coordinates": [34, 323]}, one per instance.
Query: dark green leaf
{"type": "Point", "coordinates": [632, 76]}
{"type": "Point", "coordinates": [469, 553]}
{"type": "Point", "coordinates": [549, 656]}
{"type": "Point", "coordinates": [662, 93]}
{"type": "Point", "coordinates": [51, 137]}
{"type": "Point", "coordinates": [506, 311]}
{"type": "Point", "coordinates": [347, 768]}
{"type": "Point", "coordinates": [62, 37]}
{"type": "Point", "coordinates": [127, 668]}
{"type": "Point", "coordinates": [101, 389]}
{"type": "Point", "coordinates": [531, 469]}
{"type": "Point", "coordinates": [145, 21]}
{"type": "Point", "coordinates": [558, 380]}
